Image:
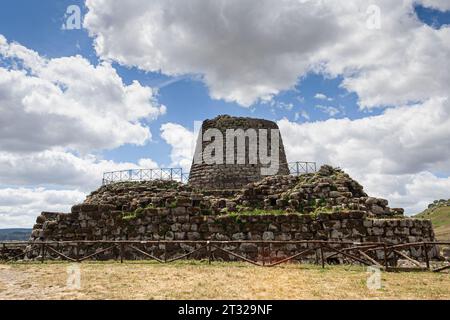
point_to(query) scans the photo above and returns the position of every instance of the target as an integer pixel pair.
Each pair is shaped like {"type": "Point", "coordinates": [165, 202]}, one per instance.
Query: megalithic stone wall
{"type": "Point", "coordinates": [326, 205]}
{"type": "Point", "coordinates": [233, 176]}
{"type": "Point", "coordinates": [185, 221]}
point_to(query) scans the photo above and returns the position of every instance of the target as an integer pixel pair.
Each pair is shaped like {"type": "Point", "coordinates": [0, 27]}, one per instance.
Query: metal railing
{"type": "Point", "coordinates": [176, 174]}
{"type": "Point", "coordinates": [301, 167]}
{"type": "Point", "coordinates": [325, 252]}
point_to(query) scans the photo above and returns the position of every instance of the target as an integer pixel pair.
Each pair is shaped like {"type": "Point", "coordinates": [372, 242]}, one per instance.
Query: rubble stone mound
{"type": "Point", "coordinates": [328, 190]}
{"type": "Point", "coordinates": [129, 196]}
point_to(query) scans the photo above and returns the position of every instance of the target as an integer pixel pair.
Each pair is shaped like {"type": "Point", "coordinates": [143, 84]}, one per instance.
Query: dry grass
{"type": "Point", "coordinates": [442, 233]}
{"type": "Point", "coordinates": [440, 217]}
{"type": "Point", "coordinates": [198, 280]}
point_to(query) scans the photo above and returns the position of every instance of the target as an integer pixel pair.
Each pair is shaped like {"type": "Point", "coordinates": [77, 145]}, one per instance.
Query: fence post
{"type": "Point", "coordinates": [316, 250]}
{"type": "Point", "coordinates": [385, 256]}
{"type": "Point", "coordinates": [42, 252]}
{"type": "Point", "coordinates": [208, 247]}
{"type": "Point", "coordinates": [427, 259]}
{"type": "Point", "coordinates": [263, 254]}
{"type": "Point", "coordinates": [121, 252]}
{"type": "Point", "coordinates": [4, 252]}
{"type": "Point", "coordinates": [165, 252]}
{"type": "Point", "coordinates": [270, 253]}
{"type": "Point", "coordinates": [77, 251]}
{"type": "Point", "coordinates": [321, 256]}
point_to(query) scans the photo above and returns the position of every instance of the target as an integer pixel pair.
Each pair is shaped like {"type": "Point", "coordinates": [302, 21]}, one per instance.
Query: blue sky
{"type": "Point", "coordinates": [359, 109]}
{"type": "Point", "coordinates": [37, 25]}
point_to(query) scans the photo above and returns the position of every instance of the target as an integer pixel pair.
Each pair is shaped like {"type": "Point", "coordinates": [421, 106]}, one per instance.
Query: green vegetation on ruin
{"type": "Point", "coordinates": [132, 215]}
{"type": "Point", "coordinates": [257, 212]}
{"type": "Point", "coordinates": [173, 204]}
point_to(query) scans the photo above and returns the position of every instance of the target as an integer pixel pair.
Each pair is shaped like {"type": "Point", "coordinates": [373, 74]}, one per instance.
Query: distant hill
{"type": "Point", "coordinates": [439, 214]}
{"type": "Point", "coordinates": [14, 234]}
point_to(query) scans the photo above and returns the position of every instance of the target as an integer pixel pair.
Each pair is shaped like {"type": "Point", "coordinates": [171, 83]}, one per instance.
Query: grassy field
{"type": "Point", "coordinates": [198, 280]}
{"type": "Point", "coordinates": [440, 217]}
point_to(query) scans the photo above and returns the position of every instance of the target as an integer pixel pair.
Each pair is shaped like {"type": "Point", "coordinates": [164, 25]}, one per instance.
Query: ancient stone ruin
{"type": "Point", "coordinates": [219, 204]}
{"type": "Point", "coordinates": [233, 176]}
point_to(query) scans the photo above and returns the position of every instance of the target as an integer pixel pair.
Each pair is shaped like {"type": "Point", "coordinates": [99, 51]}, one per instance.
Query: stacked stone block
{"type": "Point", "coordinates": [186, 222]}
{"type": "Point", "coordinates": [233, 176]}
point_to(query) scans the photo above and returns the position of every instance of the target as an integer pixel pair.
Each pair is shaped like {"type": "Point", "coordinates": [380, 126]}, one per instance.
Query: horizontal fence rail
{"type": "Point", "coordinates": [176, 174]}
{"type": "Point", "coordinates": [376, 254]}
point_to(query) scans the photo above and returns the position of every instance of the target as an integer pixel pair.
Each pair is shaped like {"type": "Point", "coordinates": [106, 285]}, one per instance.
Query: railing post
{"type": "Point", "coordinates": [121, 252]}
{"type": "Point", "coordinates": [77, 251]}
{"type": "Point", "coordinates": [385, 256]}
{"type": "Point", "coordinates": [321, 256]}
{"type": "Point", "coordinates": [264, 254]}
{"type": "Point", "coordinates": [317, 251]}
{"type": "Point", "coordinates": [427, 259]}
{"type": "Point", "coordinates": [270, 253]}
{"type": "Point", "coordinates": [208, 247]}
{"type": "Point", "coordinates": [4, 252]}
{"type": "Point", "coordinates": [43, 252]}
{"type": "Point", "coordinates": [165, 252]}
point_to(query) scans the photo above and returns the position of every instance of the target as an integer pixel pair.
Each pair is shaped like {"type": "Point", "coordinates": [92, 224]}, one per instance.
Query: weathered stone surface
{"type": "Point", "coordinates": [327, 205]}
{"type": "Point", "coordinates": [248, 247]}
{"type": "Point", "coordinates": [233, 176]}
{"type": "Point", "coordinates": [41, 219]}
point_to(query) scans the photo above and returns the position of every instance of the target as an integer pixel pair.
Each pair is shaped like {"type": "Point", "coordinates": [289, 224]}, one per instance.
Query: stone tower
{"type": "Point", "coordinates": [234, 176]}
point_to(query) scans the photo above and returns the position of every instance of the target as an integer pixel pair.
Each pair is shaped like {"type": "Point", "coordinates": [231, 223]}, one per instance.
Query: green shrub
{"type": "Point", "coordinates": [132, 215]}
{"type": "Point", "coordinates": [173, 204]}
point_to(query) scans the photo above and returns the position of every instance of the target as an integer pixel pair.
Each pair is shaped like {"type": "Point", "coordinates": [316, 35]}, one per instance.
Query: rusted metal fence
{"type": "Point", "coordinates": [325, 252]}
{"type": "Point", "coordinates": [176, 174]}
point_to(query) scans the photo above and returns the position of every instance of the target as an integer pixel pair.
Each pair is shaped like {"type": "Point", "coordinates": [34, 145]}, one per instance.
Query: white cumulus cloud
{"type": "Point", "coordinates": [61, 169]}
{"type": "Point", "coordinates": [19, 207]}
{"type": "Point", "coordinates": [253, 49]}
{"type": "Point", "coordinates": [50, 181]}
{"type": "Point", "coordinates": [443, 5]}
{"type": "Point", "coordinates": [68, 103]}
{"type": "Point", "coordinates": [399, 154]}
{"type": "Point", "coordinates": [182, 142]}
